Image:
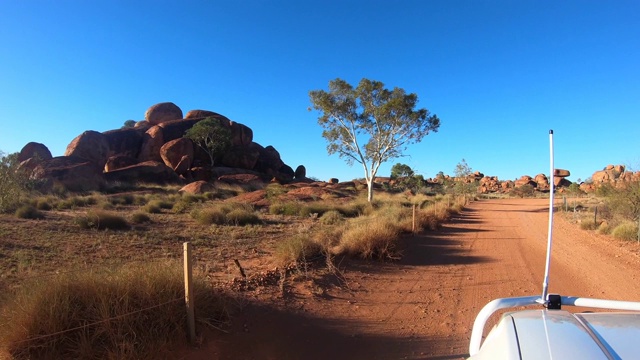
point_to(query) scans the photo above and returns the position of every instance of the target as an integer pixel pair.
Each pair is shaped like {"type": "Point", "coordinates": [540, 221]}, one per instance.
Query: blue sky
{"type": "Point", "coordinates": [499, 74]}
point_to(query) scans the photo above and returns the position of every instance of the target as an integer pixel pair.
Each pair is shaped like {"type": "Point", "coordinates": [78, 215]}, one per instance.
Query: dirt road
{"type": "Point", "coordinates": [423, 306]}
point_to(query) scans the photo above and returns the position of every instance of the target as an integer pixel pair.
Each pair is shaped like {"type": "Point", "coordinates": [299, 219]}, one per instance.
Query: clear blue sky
{"type": "Point", "coordinates": [499, 74]}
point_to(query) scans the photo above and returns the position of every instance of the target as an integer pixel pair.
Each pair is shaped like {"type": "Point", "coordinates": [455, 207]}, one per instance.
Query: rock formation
{"type": "Point", "coordinates": [154, 150]}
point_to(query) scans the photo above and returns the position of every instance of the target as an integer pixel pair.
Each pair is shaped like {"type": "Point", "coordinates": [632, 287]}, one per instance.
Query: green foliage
{"type": "Point", "coordinates": [242, 217]}
{"type": "Point", "coordinates": [370, 124]}
{"type": "Point", "coordinates": [13, 183]}
{"type": "Point", "coordinates": [401, 170]}
{"type": "Point", "coordinates": [526, 190]}
{"type": "Point", "coordinates": [210, 135]}
{"type": "Point", "coordinates": [296, 249]}
{"type": "Point", "coordinates": [622, 201]}
{"type": "Point", "coordinates": [129, 124]}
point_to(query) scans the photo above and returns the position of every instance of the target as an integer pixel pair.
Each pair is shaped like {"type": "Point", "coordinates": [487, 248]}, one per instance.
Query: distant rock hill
{"type": "Point", "coordinates": [155, 151]}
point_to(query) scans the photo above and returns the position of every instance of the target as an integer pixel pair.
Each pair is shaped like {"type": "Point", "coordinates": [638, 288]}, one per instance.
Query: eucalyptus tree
{"type": "Point", "coordinates": [370, 124]}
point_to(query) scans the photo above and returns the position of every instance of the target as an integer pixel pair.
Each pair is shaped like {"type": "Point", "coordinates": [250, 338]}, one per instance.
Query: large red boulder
{"type": "Point", "coordinates": [197, 187]}
{"type": "Point", "coordinates": [561, 173]}
{"type": "Point", "coordinates": [162, 112]}
{"type": "Point", "coordinates": [269, 160]}
{"type": "Point", "coordinates": [200, 114]}
{"type": "Point", "coordinates": [34, 150]}
{"type": "Point", "coordinates": [173, 153]}
{"type": "Point", "coordinates": [152, 141]}
{"type": "Point", "coordinates": [124, 141]}
{"type": "Point", "coordinates": [243, 157]}
{"type": "Point", "coordinates": [70, 172]}
{"type": "Point", "coordinates": [176, 129]}
{"type": "Point", "coordinates": [240, 134]}
{"type": "Point", "coordinates": [90, 145]}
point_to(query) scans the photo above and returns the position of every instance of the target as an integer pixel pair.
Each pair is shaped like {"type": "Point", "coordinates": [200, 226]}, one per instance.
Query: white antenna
{"type": "Point", "coordinates": [545, 283]}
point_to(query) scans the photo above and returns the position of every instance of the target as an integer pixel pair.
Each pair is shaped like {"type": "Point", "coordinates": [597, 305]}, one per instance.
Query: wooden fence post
{"type": "Point", "coordinates": [188, 292]}
{"type": "Point", "coordinates": [413, 227]}
{"type": "Point", "coordinates": [595, 216]}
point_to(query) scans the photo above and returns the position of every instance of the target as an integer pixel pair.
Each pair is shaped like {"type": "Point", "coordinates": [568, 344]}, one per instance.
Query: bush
{"type": "Point", "coordinates": [370, 238]}
{"type": "Point", "coordinates": [102, 220]}
{"type": "Point", "coordinates": [139, 217]}
{"type": "Point", "coordinates": [331, 217]}
{"type": "Point", "coordinates": [288, 208]}
{"type": "Point", "coordinates": [43, 204]}
{"type": "Point", "coordinates": [626, 231]}
{"type": "Point", "coordinates": [152, 208]}
{"type": "Point", "coordinates": [29, 212]}
{"type": "Point", "coordinates": [241, 217]}
{"type": "Point", "coordinates": [588, 225]}
{"type": "Point", "coordinates": [13, 183]}
{"type": "Point", "coordinates": [296, 249]}
{"type": "Point", "coordinates": [209, 217]}
{"type": "Point", "coordinates": [131, 313]}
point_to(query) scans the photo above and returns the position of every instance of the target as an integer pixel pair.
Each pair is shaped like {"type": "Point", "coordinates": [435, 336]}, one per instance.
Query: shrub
{"type": "Point", "coordinates": [241, 217]}
{"type": "Point", "coordinates": [13, 183]}
{"type": "Point", "coordinates": [29, 212]}
{"type": "Point", "coordinates": [370, 238]}
{"type": "Point", "coordinates": [130, 313]}
{"type": "Point", "coordinates": [124, 199]}
{"type": "Point", "coordinates": [295, 249]}
{"type": "Point", "coordinates": [209, 216]}
{"type": "Point", "coordinates": [102, 220]}
{"type": "Point", "coordinates": [588, 225]}
{"type": "Point", "coordinates": [272, 191]}
{"type": "Point", "coordinates": [152, 208]}
{"type": "Point", "coordinates": [604, 228]}
{"type": "Point", "coordinates": [139, 217]}
{"type": "Point", "coordinates": [331, 217]}
{"type": "Point", "coordinates": [43, 204]}
{"type": "Point", "coordinates": [626, 231]}
{"type": "Point", "coordinates": [288, 208]}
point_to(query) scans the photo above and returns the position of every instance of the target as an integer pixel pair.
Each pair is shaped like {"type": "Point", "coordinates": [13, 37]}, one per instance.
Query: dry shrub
{"type": "Point", "coordinates": [102, 220]}
{"type": "Point", "coordinates": [604, 228]}
{"type": "Point", "coordinates": [241, 217]}
{"type": "Point", "coordinates": [588, 225]}
{"type": "Point", "coordinates": [331, 217]}
{"type": "Point", "coordinates": [139, 217]}
{"type": "Point", "coordinates": [295, 249]}
{"type": "Point", "coordinates": [131, 313]}
{"type": "Point", "coordinates": [285, 208]}
{"type": "Point", "coordinates": [627, 230]}
{"type": "Point", "coordinates": [29, 212]}
{"type": "Point", "coordinates": [209, 216]}
{"type": "Point", "coordinates": [371, 238]}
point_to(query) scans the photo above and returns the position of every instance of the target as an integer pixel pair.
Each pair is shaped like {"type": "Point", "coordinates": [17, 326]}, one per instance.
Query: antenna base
{"type": "Point", "coordinates": [554, 302]}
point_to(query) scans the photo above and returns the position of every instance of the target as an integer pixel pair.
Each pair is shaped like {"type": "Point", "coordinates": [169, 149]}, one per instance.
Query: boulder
{"type": "Point", "coordinates": [152, 141]}
{"type": "Point", "coordinates": [118, 162]}
{"type": "Point", "coordinates": [542, 181]}
{"type": "Point", "coordinates": [300, 173]}
{"type": "Point", "coordinates": [34, 150]}
{"type": "Point", "coordinates": [124, 141]}
{"type": "Point", "coordinates": [149, 171]}
{"type": "Point", "coordinates": [240, 179]}
{"type": "Point", "coordinates": [91, 146]}
{"type": "Point", "coordinates": [240, 134]}
{"type": "Point", "coordinates": [561, 182]}
{"type": "Point", "coordinates": [176, 129]}
{"type": "Point", "coordinates": [177, 151]}
{"type": "Point", "coordinates": [197, 187]}
{"type": "Point", "coordinates": [243, 157]}
{"type": "Point", "coordinates": [142, 125]}
{"type": "Point", "coordinates": [162, 112]}
{"type": "Point", "coordinates": [183, 166]}
{"type": "Point", "coordinates": [601, 177]}
{"type": "Point", "coordinates": [561, 173]}
{"type": "Point", "coordinates": [200, 173]}
{"type": "Point", "coordinates": [269, 160]}
{"type": "Point", "coordinates": [71, 172]}
{"type": "Point", "coordinates": [333, 181]}
{"type": "Point", "coordinates": [200, 114]}
{"type": "Point", "coordinates": [525, 179]}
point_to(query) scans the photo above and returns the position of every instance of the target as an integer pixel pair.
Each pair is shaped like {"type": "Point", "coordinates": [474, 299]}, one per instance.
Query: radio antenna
{"type": "Point", "coordinates": [545, 282]}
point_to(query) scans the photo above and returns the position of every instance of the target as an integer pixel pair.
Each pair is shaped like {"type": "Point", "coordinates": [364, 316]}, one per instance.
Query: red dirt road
{"type": "Point", "coordinates": [423, 306]}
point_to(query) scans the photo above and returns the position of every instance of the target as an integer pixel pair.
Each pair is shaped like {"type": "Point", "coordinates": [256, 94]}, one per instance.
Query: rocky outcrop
{"type": "Point", "coordinates": [91, 146]}
{"type": "Point", "coordinates": [200, 114]}
{"type": "Point", "coordinates": [70, 172]}
{"type": "Point", "coordinates": [243, 157]}
{"type": "Point", "coordinates": [489, 184]}
{"type": "Point", "coordinates": [152, 141]}
{"type": "Point", "coordinates": [125, 142]}
{"type": "Point", "coordinates": [162, 112]}
{"type": "Point", "coordinates": [524, 180]}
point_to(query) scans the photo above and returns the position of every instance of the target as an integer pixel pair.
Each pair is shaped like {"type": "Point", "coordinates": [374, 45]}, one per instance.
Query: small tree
{"type": "Point", "coordinates": [401, 170]}
{"type": "Point", "coordinates": [13, 182]}
{"type": "Point", "coordinates": [129, 124]}
{"type": "Point", "coordinates": [370, 124]}
{"type": "Point", "coordinates": [211, 136]}
{"type": "Point", "coordinates": [463, 184]}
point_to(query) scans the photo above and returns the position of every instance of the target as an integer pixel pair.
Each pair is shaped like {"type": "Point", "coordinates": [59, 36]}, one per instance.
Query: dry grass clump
{"type": "Point", "coordinates": [131, 313]}
{"type": "Point", "coordinates": [29, 212]}
{"type": "Point", "coordinates": [371, 238]}
{"type": "Point", "coordinates": [589, 225]}
{"type": "Point", "coordinates": [626, 230]}
{"type": "Point", "coordinates": [101, 220]}
{"type": "Point", "coordinates": [332, 217]}
{"type": "Point", "coordinates": [139, 217]}
{"type": "Point", "coordinates": [295, 249]}
{"type": "Point", "coordinates": [226, 214]}
{"type": "Point", "coordinates": [285, 208]}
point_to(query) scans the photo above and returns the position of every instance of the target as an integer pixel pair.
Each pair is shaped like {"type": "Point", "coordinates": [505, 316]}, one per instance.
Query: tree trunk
{"type": "Point", "coordinates": [369, 190]}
